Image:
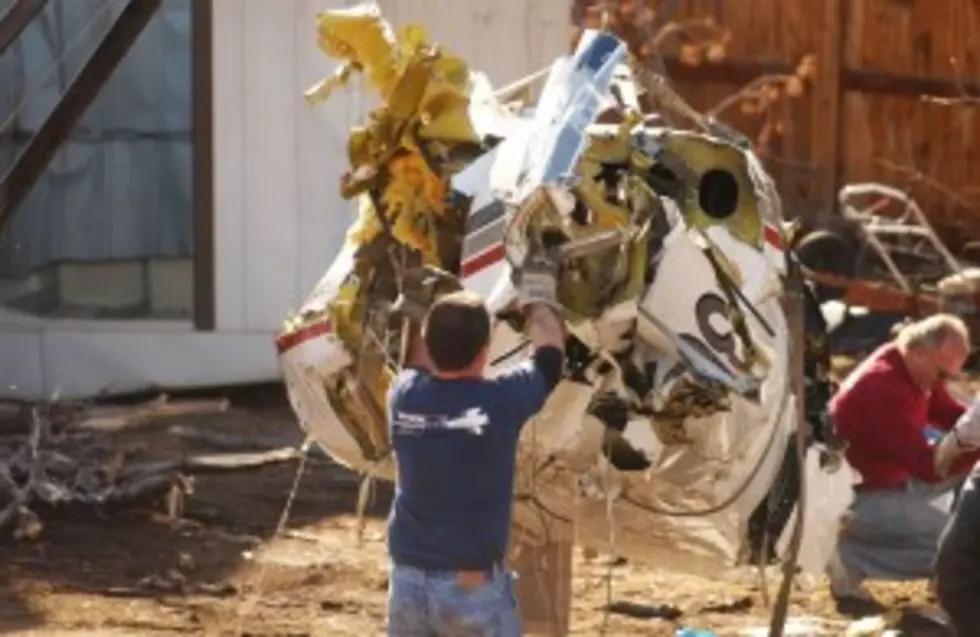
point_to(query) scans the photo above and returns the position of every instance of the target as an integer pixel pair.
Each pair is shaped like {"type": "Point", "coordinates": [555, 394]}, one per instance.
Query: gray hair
{"type": "Point", "coordinates": [932, 331]}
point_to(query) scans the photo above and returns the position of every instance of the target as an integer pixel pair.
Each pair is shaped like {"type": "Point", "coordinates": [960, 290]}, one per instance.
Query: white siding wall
{"type": "Point", "coordinates": [278, 219]}
{"type": "Point", "coordinates": [278, 160]}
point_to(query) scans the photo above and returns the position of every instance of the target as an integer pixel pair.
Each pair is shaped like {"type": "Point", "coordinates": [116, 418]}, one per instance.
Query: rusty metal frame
{"type": "Point", "coordinates": [202, 173]}
{"type": "Point", "coordinates": [34, 159]}
{"type": "Point", "coordinates": [878, 296]}
{"type": "Point", "coordinates": [16, 19]}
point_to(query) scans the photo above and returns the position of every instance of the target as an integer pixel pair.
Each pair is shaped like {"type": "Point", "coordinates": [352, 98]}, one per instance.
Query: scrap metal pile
{"type": "Point", "coordinates": [677, 405]}
{"type": "Point", "coordinates": [58, 458]}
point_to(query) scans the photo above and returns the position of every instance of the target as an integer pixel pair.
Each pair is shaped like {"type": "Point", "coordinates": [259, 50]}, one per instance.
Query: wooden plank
{"type": "Point", "coordinates": [79, 95]}
{"type": "Point", "coordinates": [731, 72]}
{"type": "Point", "coordinates": [793, 305]}
{"type": "Point", "coordinates": [917, 38]}
{"type": "Point", "coordinates": [836, 30]}
{"type": "Point", "coordinates": [230, 157]}
{"type": "Point", "coordinates": [202, 125]}
{"type": "Point", "coordinates": [827, 148]}
{"type": "Point", "coordinates": [16, 19]}
{"type": "Point", "coordinates": [544, 587]}
{"type": "Point", "coordinates": [928, 149]}
{"type": "Point", "coordinates": [271, 163]}
{"type": "Point", "coordinates": [866, 117]}
{"type": "Point", "coordinates": [867, 81]}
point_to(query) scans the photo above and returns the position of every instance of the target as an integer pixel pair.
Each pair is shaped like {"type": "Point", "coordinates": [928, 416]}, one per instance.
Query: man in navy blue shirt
{"type": "Point", "coordinates": [454, 434]}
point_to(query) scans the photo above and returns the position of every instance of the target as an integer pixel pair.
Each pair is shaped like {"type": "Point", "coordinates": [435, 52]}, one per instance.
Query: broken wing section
{"type": "Point", "coordinates": [321, 381]}
{"type": "Point", "coordinates": [340, 352]}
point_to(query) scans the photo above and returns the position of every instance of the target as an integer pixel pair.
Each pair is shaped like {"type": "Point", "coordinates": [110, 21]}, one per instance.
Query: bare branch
{"type": "Point", "coordinates": [917, 177]}
{"type": "Point", "coordinates": [964, 98]}
{"type": "Point", "coordinates": [751, 91]}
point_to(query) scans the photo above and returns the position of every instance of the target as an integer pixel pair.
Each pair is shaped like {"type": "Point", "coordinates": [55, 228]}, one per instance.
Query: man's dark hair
{"type": "Point", "coordinates": [456, 328]}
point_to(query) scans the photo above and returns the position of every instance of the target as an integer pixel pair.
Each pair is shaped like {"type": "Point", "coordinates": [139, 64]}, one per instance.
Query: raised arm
{"type": "Point", "coordinates": [526, 386]}
{"type": "Point", "coordinates": [537, 285]}
{"type": "Point", "coordinates": [544, 327]}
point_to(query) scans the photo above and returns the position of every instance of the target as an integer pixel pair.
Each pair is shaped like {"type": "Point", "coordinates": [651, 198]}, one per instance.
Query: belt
{"type": "Point", "coordinates": [469, 577]}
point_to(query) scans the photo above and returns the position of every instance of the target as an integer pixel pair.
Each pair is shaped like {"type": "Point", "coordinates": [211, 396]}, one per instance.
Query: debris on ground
{"type": "Point", "coordinates": [645, 611]}
{"type": "Point", "coordinates": [693, 632]}
{"type": "Point", "coordinates": [226, 568]}
{"type": "Point", "coordinates": [867, 627]}
{"type": "Point", "coordinates": [738, 605]}
{"type": "Point", "coordinates": [69, 457]}
{"type": "Point", "coordinates": [795, 627]}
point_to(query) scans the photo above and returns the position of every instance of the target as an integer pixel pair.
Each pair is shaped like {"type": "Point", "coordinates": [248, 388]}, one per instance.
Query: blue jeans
{"type": "Point", "coordinates": [434, 604]}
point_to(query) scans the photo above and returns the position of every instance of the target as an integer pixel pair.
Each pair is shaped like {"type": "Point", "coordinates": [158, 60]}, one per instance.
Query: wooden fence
{"type": "Point", "coordinates": [865, 115]}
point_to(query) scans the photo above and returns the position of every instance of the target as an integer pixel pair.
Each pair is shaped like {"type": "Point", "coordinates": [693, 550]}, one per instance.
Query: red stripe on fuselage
{"type": "Point", "coordinates": [288, 341]}
{"type": "Point", "coordinates": [773, 237]}
{"type": "Point", "coordinates": [482, 260]}
{"type": "Point", "coordinates": [475, 264]}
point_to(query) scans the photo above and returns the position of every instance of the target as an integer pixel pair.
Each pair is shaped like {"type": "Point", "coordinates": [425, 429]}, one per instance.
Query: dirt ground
{"type": "Point", "coordinates": [222, 570]}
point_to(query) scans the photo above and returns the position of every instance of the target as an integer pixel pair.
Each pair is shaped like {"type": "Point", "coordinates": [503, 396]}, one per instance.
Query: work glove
{"type": "Point", "coordinates": [963, 437]}
{"type": "Point", "coordinates": [421, 287]}
{"type": "Point", "coordinates": [537, 279]}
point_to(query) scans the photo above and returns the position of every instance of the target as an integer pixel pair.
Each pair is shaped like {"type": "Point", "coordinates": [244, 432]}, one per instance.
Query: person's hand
{"type": "Point", "coordinates": [967, 427]}
{"type": "Point", "coordinates": [963, 437]}
{"type": "Point", "coordinates": [421, 287]}
{"type": "Point", "coordinates": [537, 279]}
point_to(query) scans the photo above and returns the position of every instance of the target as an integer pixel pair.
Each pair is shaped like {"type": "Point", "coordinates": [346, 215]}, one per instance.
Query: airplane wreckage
{"type": "Point", "coordinates": [672, 287]}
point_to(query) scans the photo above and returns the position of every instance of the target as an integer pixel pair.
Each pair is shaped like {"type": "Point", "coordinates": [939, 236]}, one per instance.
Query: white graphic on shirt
{"type": "Point", "coordinates": [473, 420]}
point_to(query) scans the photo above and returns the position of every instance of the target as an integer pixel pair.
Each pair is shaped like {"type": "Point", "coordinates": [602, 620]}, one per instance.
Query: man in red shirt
{"type": "Point", "coordinates": [885, 410]}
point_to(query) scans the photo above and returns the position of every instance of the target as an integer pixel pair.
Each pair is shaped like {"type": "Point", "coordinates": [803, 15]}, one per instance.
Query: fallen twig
{"type": "Point", "coordinates": [219, 440]}
{"type": "Point", "coordinates": [215, 463]}
{"type": "Point", "coordinates": [154, 586]}
{"type": "Point", "coordinates": [965, 98]}
{"type": "Point", "coordinates": [123, 417]}
{"type": "Point", "coordinates": [302, 535]}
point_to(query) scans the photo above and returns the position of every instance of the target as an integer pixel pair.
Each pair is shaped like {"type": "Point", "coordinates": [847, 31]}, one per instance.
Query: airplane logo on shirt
{"type": "Point", "coordinates": [473, 420]}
